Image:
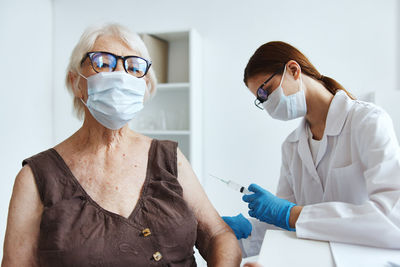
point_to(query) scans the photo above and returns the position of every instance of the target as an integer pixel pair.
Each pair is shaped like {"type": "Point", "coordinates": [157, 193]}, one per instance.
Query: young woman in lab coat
{"type": "Point", "coordinates": [340, 174]}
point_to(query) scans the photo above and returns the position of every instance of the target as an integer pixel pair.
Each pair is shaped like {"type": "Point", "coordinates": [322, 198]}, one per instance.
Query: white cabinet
{"type": "Point", "coordinates": [175, 112]}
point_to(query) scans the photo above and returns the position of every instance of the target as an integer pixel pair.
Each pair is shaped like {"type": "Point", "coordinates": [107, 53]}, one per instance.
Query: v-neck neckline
{"type": "Point", "coordinates": [91, 200]}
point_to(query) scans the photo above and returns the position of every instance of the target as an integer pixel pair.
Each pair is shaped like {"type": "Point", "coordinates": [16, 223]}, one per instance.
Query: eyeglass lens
{"type": "Point", "coordinates": [262, 94]}
{"type": "Point", "coordinates": [103, 62]}
{"type": "Point", "coordinates": [136, 66]}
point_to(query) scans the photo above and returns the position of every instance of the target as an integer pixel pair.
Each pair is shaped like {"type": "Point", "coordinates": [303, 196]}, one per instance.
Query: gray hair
{"type": "Point", "coordinates": [86, 43]}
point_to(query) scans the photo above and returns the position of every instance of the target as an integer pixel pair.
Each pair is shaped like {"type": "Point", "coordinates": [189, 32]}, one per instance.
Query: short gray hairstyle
{"type": "Point", "coordinates": [85, 45]}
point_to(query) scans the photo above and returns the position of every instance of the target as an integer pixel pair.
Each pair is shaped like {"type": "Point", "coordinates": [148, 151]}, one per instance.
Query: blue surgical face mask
{"type": "Point", "coordinates": [114, 97]}
{"type": "Point", "coordinates": [282, 107]}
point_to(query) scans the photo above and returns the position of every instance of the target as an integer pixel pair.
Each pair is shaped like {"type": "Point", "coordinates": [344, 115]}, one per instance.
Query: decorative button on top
{"type": "Point", "coordinates": [146, 232]}
{"type": "Point", "coordinates": [157, 256]}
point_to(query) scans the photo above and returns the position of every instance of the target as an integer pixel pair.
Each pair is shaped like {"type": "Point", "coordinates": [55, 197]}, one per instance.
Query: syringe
{"type": "Point", "coordinates": [233, 185]}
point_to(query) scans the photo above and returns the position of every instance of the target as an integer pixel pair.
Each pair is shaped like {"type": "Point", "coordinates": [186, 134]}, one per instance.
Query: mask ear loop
{"type": "Point", "coordinates": [82, 76]}
{"type": "Point", "coordinates": [283, 75]}
{"type": "Point", "coordinates": [301, 83]}
{"type": "Point", "coordinates": [86, 80]}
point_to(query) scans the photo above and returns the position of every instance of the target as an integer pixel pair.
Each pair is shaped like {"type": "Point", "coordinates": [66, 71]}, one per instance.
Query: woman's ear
{"type": "Point", "coordinates": [294, 69]}
{"type": "Point", "coordinates": [74, 81]}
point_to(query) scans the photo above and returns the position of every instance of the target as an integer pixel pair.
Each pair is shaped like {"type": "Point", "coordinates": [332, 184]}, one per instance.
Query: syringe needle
{"type": "Point", "coordinates": [233, 185]}
{"type": "Point", "coordinates": [222, 180]}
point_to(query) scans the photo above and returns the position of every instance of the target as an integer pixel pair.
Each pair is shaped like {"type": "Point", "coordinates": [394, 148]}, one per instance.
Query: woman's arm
{"type": "Point", "coordinates": [24, 214]}
{"type": "Point", "coordinates": [215, 240]}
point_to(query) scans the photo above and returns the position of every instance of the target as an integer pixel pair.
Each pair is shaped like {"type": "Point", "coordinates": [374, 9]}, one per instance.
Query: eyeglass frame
{"type": "Point", "coordinates": [90, 54]}
{"type": "Point", "coordinates": [261, 89]}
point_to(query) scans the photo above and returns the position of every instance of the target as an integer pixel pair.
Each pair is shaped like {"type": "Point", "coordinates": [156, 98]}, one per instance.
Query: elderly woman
{"type": "Point", "coordinates": [108, 196]}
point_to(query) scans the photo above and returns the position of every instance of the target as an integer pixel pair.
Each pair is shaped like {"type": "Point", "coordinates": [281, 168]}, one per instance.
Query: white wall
{"type": "Point", "coordinates": [352, 41]}
{"type": "Point", "coordinates": [25, 89]}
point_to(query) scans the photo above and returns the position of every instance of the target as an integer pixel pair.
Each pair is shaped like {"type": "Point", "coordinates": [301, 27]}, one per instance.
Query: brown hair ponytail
{"type": "Point", "coordinates": [272, 56]}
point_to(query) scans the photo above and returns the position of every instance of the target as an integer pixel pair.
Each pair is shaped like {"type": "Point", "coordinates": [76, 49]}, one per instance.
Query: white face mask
{"type": "Point", "coordinates": [114, 97]}
{"type": "Point", "coordinates": [282, 107]}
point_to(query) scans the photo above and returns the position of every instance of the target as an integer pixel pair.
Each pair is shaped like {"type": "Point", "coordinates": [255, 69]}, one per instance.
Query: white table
{"type": "Point", "coordinates": [249, 259]}
{"type": "Point", "coordinates": [284, 249]}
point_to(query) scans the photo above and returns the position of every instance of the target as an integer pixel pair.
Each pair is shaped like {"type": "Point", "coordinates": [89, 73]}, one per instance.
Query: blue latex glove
{"type": "Point", "coordinates": [268, 208]}
{"type": "Point", "coordinates": [240, 225]}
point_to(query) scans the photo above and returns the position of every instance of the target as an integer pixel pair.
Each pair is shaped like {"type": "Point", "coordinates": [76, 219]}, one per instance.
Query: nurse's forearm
{"type": "Point", "coordinates": [294, 215]}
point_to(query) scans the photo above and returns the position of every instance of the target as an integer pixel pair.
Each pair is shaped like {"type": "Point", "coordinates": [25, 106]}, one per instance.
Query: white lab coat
{"type": "Point", "coordinates": [359, 161]}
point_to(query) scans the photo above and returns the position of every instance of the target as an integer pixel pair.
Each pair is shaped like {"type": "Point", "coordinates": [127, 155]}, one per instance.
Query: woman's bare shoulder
{"type": "Point", "coordinates": [138, 137]}
{"type": "Point", "coordinates": [25, 187]}
{"type": "Point", "coordinates": [25, 179]}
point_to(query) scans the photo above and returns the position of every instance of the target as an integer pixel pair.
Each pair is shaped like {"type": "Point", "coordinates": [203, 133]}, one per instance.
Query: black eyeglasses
{"type": "Point", "coordinates": [262, 94]}
{"type": "Point", "coordinates": [107, 62]}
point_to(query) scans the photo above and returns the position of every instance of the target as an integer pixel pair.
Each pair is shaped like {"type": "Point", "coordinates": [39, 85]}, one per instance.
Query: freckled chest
{"type": "Point", "coordinates": [114, 181]}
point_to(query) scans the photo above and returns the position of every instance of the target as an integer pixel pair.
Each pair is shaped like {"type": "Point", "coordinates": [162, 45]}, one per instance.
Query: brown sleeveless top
{"type": "Point", "coordinates": [76, 231]}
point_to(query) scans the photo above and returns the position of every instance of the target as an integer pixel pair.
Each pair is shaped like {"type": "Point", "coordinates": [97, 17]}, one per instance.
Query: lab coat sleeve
{"type": "Point", "coordinates": [376, 222]}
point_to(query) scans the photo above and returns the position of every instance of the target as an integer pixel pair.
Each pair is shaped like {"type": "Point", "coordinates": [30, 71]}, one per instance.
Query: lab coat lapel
{"type": "Point", "coordinates": [321, 150]}
{"type": "Point", "coordinates": [305, 153]}
{"type": "Point", "coordinates": [338, 110]}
